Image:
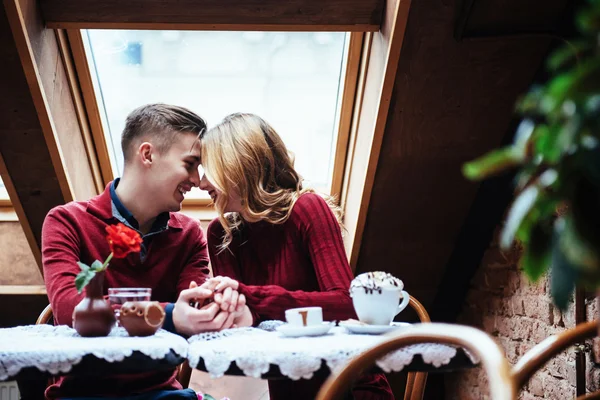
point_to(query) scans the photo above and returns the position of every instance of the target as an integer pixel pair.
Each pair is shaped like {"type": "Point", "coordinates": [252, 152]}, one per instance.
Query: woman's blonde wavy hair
{"type": "Point", "coordinates": [243, 153]}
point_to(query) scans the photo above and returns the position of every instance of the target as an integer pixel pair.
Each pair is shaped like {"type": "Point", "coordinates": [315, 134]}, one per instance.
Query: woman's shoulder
{"type": "Point", "coordinates": [215, 229]}
{"type": "Point", "coordinates": [310, 205]}
{"type": "Point", "coordinates": [310, 200]}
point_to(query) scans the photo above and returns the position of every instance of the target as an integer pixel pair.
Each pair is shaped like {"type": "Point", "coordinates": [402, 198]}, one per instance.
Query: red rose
{"type": "Point", "coordinates": [123, 240]}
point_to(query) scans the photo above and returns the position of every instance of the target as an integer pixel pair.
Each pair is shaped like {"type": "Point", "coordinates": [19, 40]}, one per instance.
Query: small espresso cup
{"type": "Point", "coordinates": [141, 318]}
{"type": "Point", "coordinates": [380, 306]}
{"type": "Point", "coordinates": [304, 316]}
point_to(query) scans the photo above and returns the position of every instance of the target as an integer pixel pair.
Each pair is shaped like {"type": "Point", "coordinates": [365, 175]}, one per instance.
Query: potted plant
{"type": "Point", "coordinates": [556, 154]}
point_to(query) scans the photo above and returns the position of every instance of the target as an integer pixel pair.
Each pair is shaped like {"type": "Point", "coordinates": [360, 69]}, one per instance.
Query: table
{"type": "Point", "coordinates": [266, 354]}
{"type": "Point", "coordinates": [30, 354]}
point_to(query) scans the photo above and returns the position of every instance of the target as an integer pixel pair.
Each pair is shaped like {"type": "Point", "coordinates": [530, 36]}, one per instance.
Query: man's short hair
{"type": "Point", "coordinates": [159, 124]}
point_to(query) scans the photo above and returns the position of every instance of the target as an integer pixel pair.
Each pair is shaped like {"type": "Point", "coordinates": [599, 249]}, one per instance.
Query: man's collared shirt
{"type": "Point", "coordinates": [120, 212]}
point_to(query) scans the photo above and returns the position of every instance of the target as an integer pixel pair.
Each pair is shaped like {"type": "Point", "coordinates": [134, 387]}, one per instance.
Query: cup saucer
{"type": "Point", "coordinates": [297, 331]}
{"type": "Point", "coordinates": [373, 329]}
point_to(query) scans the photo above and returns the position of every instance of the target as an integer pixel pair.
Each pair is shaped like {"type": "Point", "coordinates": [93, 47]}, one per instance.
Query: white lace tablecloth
{"type": "Point", "coordinates": [254, 350]}
{"type": "Point", "coordinates": [56, 349]}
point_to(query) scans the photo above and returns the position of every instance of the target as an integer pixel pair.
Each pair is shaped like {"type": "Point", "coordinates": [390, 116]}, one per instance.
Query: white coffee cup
{"type": "Point", "coordinates": [378, 297]}
{"type": "Point", "coordinates": [304, 316]}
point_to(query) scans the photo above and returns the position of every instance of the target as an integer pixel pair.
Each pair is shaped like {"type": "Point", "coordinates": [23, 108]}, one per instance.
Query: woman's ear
{"type": "Point", "coordinates": [146, 153]}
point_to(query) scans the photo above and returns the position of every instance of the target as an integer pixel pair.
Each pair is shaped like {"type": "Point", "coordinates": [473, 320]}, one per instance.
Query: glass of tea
{"type": "Point", "coordinates": [118, 296]}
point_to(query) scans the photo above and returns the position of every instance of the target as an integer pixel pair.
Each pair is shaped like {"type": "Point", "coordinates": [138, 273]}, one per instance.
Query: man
{"type": "Point", "coordinates": [161, 152]}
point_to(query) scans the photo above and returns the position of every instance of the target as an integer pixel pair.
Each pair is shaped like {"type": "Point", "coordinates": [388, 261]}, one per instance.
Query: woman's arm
{"type": "Point", "coordinates": [321, 238]}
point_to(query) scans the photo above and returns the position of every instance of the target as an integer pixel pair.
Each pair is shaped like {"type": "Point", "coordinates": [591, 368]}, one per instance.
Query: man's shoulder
{"type": "Point", "coordinates": [70, 209]}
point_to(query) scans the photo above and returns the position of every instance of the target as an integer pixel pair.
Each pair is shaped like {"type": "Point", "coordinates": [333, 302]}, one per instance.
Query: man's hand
{"type": "Point", "coordinates": [242, 317]}
{"type": "Point", "coordinates": [190, 321]}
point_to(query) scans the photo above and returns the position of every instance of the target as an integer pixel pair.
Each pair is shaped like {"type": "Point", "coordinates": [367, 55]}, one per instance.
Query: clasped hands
{"type": "Point", "coordinates": [212, 306]}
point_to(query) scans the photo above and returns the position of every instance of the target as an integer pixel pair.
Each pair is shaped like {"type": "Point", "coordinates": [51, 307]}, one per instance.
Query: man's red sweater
{"type": "Point", "coordinates": [76, 232]}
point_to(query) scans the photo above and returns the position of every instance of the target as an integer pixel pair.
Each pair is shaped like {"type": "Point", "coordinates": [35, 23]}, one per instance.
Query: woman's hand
{"type": "Point", "coordinates": [226, 293]}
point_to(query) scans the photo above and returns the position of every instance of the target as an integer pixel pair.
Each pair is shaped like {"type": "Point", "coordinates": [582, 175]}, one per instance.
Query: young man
{"type": "Point", "coordinates": [161, 151]}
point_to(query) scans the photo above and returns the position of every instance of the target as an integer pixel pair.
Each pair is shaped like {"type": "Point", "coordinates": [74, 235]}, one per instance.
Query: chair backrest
{"type": "Point", "coordinates": [477, 342]}
{"type": "Point", "coordinates": [45, 315]}
{"type": "Point", "coordinates": [184, 372]}
{"type": "Point", "coordinates": [415, 382]}
{"type": "Point", "coordinates": [541, 353]}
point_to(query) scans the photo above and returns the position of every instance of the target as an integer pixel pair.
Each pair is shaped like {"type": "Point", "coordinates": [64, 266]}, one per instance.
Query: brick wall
{"type": "Point", "coordinates": [519, 315]}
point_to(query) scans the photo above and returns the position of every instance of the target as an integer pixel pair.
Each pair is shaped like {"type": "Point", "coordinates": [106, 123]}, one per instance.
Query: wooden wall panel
{"type": "Point", "coordinates": [451, 102]}
{"type": "Point", "coordinates": [351, 15]}
{"type": "Point", "coordinates": [28, 162]}
{"type": "Point", "coordinates": [59, 105]}
{"type": "Point", "coordinates": [43, 158]}
{"type": "Point", "coordinates": [17, 264]}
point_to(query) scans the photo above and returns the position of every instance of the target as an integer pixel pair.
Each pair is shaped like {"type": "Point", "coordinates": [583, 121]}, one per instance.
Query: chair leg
{"type": "Point", "coordinates": [184, 374]}
{"type": "Point", "coordinates": [418, 389]}
{"type": "Point", "coordinates": [410, 381]}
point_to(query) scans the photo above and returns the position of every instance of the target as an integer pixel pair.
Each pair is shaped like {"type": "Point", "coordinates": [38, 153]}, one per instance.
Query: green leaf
{"type": "Point", "coordinates": [563, 276]}
{"type": "Point", "coordinates": [545, 144]}
{"type": "Point", "coordinates": [97, 266]}
{"type": "Point", "coordinates": [519, 209]}
{"type": "Point", "coordinates": [84, 267]}
{"type": "Point", "coordinates": [576, 250]}
{"type": "Point", "coordinates": [568, 54]}
{"type": "Point", "coordinates": [83, 278]}
{"type": "Point", "coordinates": [537, 256]}
{"type": "Point", "coordinates": [493, 163]}
{"type": "Point", "coordinates": [557, 91]}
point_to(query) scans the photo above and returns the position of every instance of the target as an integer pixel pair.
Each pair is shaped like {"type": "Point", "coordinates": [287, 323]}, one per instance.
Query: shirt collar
{"type": "Point", "coordinates": [105, 205]}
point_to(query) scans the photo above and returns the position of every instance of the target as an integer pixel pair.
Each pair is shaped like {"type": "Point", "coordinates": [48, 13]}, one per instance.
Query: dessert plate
{"type": "Point", "coordinates": [297, 331]}
{"type": "Point", "coordinates": [373, 329]}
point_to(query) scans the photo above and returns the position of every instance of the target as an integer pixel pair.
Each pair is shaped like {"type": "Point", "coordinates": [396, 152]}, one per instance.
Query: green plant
{"type": "Point", "coordinates": [557, 157]}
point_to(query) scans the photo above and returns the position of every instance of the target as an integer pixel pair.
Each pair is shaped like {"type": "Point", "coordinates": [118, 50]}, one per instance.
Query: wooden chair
{"type": "Point", "coordinates": [541, 353]}
{"type": "Point", "coordinates": [502, 385]}
{"type": "Point", "coordinates": [184, 372]}
{"type": "Point", "coordinates": [415, 382]}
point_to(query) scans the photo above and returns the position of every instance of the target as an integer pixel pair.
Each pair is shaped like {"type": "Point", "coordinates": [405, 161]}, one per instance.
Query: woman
{"type": "Point", "coordinates": [275, 242]}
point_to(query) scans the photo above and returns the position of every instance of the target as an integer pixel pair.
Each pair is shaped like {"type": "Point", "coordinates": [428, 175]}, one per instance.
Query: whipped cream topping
{"type": "Point", "coordinates": [376, 281]}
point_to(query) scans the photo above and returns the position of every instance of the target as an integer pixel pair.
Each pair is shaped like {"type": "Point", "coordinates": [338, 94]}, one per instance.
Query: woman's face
{"type": "Point", "coordinates": [234, 202]}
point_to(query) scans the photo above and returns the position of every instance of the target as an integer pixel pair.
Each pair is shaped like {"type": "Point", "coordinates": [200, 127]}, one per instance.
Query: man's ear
{"type": "Point", "coordinates": [146, 153]}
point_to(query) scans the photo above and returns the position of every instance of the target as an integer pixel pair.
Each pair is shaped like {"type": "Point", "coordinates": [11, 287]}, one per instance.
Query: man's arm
{"type": "Point", "coordinates": [60, 253]}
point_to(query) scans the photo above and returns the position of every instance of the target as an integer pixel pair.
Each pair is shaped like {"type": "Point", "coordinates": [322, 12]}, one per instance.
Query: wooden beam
{"type": "Point", "coordinates": [339, 15]}
{"type": "Point", "coordinates": [384, 54]}
{"type": "Point", "coordinates": [44, 158]}
{"type": "Point", "coordinates": [496, 18]}
{"type": "Point", "coordinates": [22, 289]}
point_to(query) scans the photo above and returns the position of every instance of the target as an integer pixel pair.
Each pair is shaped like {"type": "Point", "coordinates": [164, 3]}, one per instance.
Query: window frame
{"type": "Point", "coordinates": [202, 208]}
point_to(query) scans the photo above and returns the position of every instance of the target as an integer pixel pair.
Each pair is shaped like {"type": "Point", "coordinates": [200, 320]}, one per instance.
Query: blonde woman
{"type": "Point", "coordinates": [274, 241]}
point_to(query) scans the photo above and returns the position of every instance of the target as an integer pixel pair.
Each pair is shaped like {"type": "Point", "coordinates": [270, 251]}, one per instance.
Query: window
{"type": "Point", "coordinates": [4, 199]}
{"type": "Point", "coordinates": [292, 79]}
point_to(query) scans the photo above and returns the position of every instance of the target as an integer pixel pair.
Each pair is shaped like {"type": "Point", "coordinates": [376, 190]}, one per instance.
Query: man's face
{"type": "Point", "coordinates": [175, 172]}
